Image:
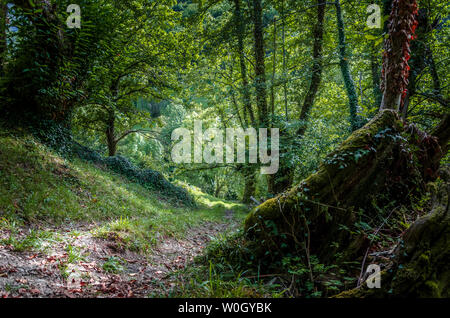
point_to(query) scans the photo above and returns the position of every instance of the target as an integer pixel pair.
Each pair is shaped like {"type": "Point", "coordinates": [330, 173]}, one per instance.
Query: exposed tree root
{"type": "Point", "coordinates": [421, 265]}
{"type": "Point", "coordinates": [379, 165]}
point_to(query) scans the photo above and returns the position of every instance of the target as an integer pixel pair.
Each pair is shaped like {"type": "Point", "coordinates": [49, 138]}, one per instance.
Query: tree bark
{"type": "Point", "coordinates": [111, 135]}
{"type": "Point", "coordinates": [3, 28]}
{"type": "Point", "coordinates": [240, 35]}
{"type": "Point", "coordinates": [283, 35]}
{"type": "Point", "coordinates": [345, 69]}
{"type": "Point", "coordinates": [375, 69]}
{"type": "Point", "coordinates": [260, 68]}
{"type": "Point", "coordinates": [442, 133]}
{"type": "Point", "coordinates": [250, 184]}
{"type": "Point", "coordinates": [274, 62]}
{"type": "Point", "coordinates": [395, 72]}
{"type": "Point", "coordinates": [316, 72]}
{"type": "Point", "coordinates": [419, 58]}
{"type": "Point", "coordinates": [375, 166]}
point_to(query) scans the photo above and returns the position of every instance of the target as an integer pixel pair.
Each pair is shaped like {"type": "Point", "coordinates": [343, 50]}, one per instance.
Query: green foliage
{"type": "Point", "coordinates": [49, 63]}
{"type": "Point", "coordinates": [113, 265]}
{"type": "Point", "coordinates": [151, 179]}
{"type": "Point", "coordinates": [137, 70]}
{"type": "Point", "coordinates": [37, 184]}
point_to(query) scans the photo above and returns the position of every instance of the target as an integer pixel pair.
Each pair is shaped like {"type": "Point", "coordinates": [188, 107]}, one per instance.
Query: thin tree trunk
{"type": "Point", "coordinates": [434, 73]}
{"type": "Point", "coordinates": [260, 68]}
{"type": "Point", "coordinates": [110, 135]}
{"type": "Point", "coordinates": [317, 68]}
{"type": "Point", "coordinates": [218, 188]}
{"type": "Point", "coordinates": [250, 184]}
{"type": "Point", "coordinates": [3, 28]}
{"type": "Point", "coordinates": [284, 62]}
{"type": "Point", "coordinates": [236, 107]}
{"type": "Point", "coordinates": [375, 68]}
{"type": "Point", "coordinates": [345, 69]}
{"type": "Point", "coordinates": [245, 85]}
{"type": "Point", "coordinates": [233, 95]}
{"type": "Point", "coordinates": [272, 88]}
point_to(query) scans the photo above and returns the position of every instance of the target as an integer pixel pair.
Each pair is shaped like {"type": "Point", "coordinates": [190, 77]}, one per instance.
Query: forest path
{"type": "Point", "coordinates": [82, 265]}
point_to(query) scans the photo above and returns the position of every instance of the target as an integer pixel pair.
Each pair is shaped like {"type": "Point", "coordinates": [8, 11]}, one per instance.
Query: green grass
{"type": "Point", "coordinates": [208, 282]}
{"type": "Point", "coordinates": [113, 265]}
{"type": "Point", "coordinates": [39, 188]}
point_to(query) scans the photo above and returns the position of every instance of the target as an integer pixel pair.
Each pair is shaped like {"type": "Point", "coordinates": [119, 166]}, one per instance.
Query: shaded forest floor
{"type": "Point", "coordinates": [73, 262]}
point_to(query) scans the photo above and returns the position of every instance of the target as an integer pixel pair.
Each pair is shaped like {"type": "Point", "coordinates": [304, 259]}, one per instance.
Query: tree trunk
{"type": "Point", "coordinates": [282, 180]}
{"type": "Point", "coordinates": [260, 68]}
{"type": "Point", "coordinates": [375, 69]}
{"type": "Point", "coordinates": [419, 57]}
{"type": "Point", "coordinates": [283, 35]}
{"type": "Point", "coordinates": [316, 72]}
{"type": "Point", "coordinates": [442, 133]}
{"type": "Point", "coordinates": [345, 69]}
{"type": "Point", "coordinates": [3, 28]}
{"type": "Point", "coordinates": [219, 185]}
{"type": "Point", "coordinates": [374, 167]}
{"type": "Point", "coordinates": [434, 73]}
{"type": "Point", "coordinates": [250, 184]}
{"type": "Point", "coordinates": [111, 136]}
{"type": "Point", "coordinates": [240, 35]}
{"type": "Point", "coordinates": [395, 72]}
{"type": "Point", "coordinates": [274, 62]}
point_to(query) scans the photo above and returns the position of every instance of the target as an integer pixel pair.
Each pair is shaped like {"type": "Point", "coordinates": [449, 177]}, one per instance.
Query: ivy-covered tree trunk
{"type": "Point", "coordinates": [345, 69]}
{"type": "Point", "coordinates": [375, 69]}
{"type": "Point", "coordinates": [395, 72]}
{"type": "Point", "coordinates": [274, 68]}
{"type": "Point", "coordinates": [283, 41]}
{"type": "Point", "coordinates": [421, 58]}
{"type": "Point", "coordinates": [25, 90]}
{"type": "Point", "coordinates": [260, 68]}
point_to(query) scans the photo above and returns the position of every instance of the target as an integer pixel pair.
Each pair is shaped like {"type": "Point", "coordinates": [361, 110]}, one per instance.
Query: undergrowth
{"type": "Point", "coordinates": [39, 189]}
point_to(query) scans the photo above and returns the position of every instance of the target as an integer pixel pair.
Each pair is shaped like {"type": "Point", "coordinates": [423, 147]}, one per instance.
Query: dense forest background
{"type": "Point", "coordinates": [362, 112]}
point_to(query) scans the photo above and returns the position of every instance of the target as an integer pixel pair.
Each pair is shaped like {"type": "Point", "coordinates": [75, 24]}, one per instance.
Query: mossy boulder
{"type": "Point", "coordinates": [377, 165]}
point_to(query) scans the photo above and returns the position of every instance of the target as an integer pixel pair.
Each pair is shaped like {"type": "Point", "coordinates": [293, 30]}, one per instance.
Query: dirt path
{"type": "Point", "coordinates": [85, 266]}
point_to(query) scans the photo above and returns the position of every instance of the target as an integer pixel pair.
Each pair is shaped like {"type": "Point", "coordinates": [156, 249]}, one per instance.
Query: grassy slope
{"type": "Point", "coordinates": [38, 189]}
